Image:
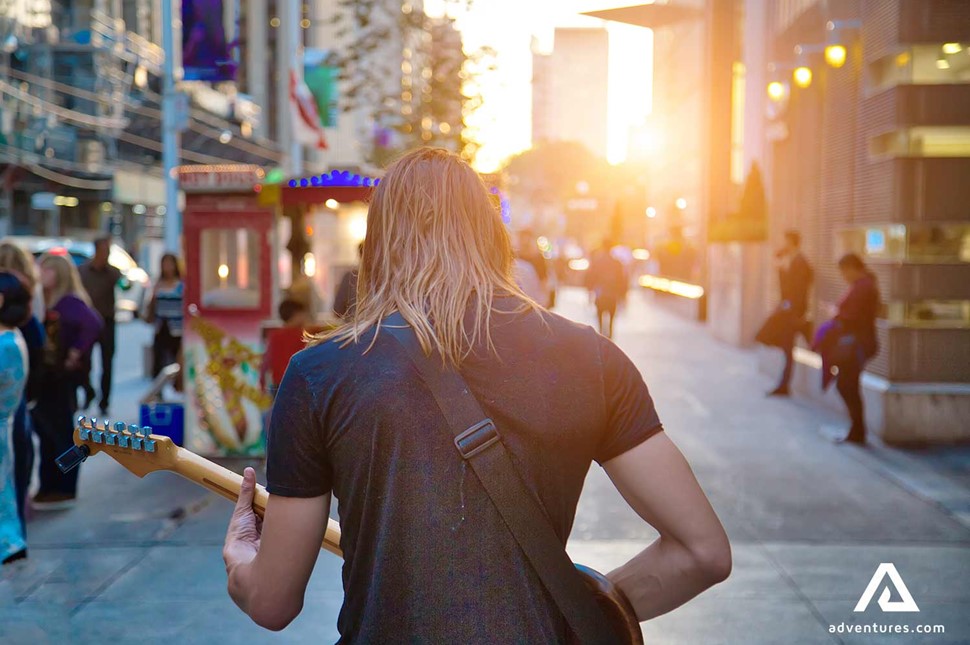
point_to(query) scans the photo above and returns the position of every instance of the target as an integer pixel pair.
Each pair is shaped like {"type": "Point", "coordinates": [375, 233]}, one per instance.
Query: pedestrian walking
{"type": "Point", "coordinates": [363, 413]}
{"type": "Point", "coordinates": [16, 259]}
{"type": "Point", "coordinates": [165, 313]}
{"type": "Point", "coordinates": [99, 279]}
{"type": "Point", "coordinates": [848, 341]}
{"type": "Point", "coordinates": [72, 327]}
{"type": "Point", "coordinates": [607, 283]}
{"type": "Point", "coordinates": [795, 277]}
{"type": "Point", "coordinates": [14, 311]}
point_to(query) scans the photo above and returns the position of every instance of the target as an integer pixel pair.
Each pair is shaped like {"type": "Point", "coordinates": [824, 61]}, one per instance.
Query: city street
{"type": "Point", "coordinates": [138, 561]}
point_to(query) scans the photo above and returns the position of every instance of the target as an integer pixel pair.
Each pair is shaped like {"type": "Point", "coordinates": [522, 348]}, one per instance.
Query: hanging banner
{"type": "Point", "coordinates": [323, 82]}
{"type": "Point", "coordinates": [303, 110]}
{"type": "Point", "coordinates": [206, 51]}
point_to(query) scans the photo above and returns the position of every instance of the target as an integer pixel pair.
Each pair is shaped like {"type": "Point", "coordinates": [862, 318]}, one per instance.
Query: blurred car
{"type": "Point", "coordinates": [130, 292]}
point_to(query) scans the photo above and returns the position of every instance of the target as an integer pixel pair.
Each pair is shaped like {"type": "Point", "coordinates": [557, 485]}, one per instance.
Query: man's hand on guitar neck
{"type": "Point", "coordinates": [245, 527]}
{"type": "Point", "coordinates": [269, 560]}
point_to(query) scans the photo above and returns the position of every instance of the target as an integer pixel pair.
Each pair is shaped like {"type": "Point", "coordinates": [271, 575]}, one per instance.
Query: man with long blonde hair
{"type": "Point", "coordinates": [428, 556]}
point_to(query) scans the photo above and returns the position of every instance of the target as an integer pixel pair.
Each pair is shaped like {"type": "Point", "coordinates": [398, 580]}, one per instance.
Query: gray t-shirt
{"type": "Point", "coordinates": [427, 557]}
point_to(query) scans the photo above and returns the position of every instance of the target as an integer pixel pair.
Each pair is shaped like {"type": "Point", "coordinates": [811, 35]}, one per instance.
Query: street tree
{"type": "Point", "coordinates": [408, 72]}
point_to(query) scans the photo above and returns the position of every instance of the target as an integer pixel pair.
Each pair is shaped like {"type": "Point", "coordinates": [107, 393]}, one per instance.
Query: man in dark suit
{"type": "Point", "coordinates": [795, 278]}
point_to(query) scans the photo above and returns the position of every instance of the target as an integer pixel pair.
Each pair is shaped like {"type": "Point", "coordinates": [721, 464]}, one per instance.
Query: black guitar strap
{"type": "Point", "coordinates": [478, 441]}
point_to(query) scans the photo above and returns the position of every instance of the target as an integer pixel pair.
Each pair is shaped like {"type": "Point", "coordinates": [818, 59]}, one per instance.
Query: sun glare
{"type": "Point", "coordinates": [504, 123]}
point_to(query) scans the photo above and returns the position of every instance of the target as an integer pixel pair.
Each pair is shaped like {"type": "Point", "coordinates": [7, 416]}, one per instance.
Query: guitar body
{"type": "Point", "coordinates": [618, 610]}
{"type": "Point", "coordinates": [142, 452]}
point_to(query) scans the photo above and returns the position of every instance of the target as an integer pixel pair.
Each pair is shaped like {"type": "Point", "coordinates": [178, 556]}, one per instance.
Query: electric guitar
{"type": "Point", "coordinates": [142, 452]}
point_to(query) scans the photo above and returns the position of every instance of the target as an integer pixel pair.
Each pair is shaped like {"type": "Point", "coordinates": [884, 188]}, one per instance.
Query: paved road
{"type": "Point", "coordinates": [138, 561]}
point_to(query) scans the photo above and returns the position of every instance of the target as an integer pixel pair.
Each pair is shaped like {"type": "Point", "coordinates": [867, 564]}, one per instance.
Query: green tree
{"type": "Point", "coordinates": [410, 74]}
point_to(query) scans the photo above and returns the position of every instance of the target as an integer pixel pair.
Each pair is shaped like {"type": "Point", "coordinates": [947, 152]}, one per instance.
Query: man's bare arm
{"type": "Point", "coordinates": [692, 552]}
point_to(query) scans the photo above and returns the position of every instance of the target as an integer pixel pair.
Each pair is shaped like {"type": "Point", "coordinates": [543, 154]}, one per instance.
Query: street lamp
{"type": "Point", "coordinates": [835, 51]}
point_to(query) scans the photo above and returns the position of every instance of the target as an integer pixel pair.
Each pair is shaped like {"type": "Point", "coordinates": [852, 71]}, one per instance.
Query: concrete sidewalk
{"type": "Point", "coordinates": [138, 561]}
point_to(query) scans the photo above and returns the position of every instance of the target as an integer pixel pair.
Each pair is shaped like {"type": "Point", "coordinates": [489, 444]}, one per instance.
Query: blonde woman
{"type": "Point", "coordinates": [428, 557]}
{"type": "Point", "coordinates": [72, 327]}
{"type": "Point", "coordinates": [17, 260]}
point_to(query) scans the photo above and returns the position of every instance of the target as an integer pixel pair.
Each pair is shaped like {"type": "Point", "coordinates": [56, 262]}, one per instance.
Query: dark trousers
{"type": "Point", "coordinates": [54, 417]}
{"type": "Point", "coordinates": [606, 306]}
{"type": "Point", "coordinates": [165, 349]}
{"type": "Point", "coordinates": [106, 343]}
{"type": "Point", "coordinates": [787, 346]}
{"type": "Point", "coordinates": [847, 384]}
{"type": "Point", "coordinates": [23, 458]}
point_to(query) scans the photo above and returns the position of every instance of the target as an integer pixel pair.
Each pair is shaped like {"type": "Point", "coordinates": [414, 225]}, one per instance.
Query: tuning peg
{"type": "Point", "coordinates": [81, 420]}
{"type": "Point", "coordinates": [120, 429]}
{"type": "Point", "coordinates": [136, 440]}
{"type": "Point", "coordinates": [84, 432]}
{"type": "Point", "coordinates": [146, 432]}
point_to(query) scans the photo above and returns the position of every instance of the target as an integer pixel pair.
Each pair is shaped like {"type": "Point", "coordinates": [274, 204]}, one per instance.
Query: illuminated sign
{"type": "Point", "coordinates": [342, 178]}
{"type": "Point", "coordinates": [220, 178]}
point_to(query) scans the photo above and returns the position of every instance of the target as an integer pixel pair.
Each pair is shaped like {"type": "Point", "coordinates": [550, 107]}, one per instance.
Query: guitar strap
{"type": "Point", "coordinates": [479, 444]}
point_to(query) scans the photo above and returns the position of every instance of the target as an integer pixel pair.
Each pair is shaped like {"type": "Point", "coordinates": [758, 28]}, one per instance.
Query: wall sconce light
{"type": "Point", "coordinates": [952, 48]}
{"type": "Point", "coordinates": [802, 76]}
{"type": "Point", "coordinates": [835, 55]}
{"type": "Point", "coordinates": [777, 91]}
{"type": "Point", "coordinates": [835, 39]}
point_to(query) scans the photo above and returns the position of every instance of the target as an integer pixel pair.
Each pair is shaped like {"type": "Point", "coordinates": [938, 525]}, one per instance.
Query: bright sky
{"type": "Point", "coordinates": [505, 119]}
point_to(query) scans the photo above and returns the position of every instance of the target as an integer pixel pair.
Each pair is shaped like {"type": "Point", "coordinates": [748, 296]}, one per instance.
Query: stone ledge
{"type": "Point", "coordinates": [898, 413]}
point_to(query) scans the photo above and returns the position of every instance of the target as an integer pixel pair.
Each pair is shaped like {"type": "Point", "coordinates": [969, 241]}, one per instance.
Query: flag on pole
{"type": "Point", "coordinates": [303, 110]}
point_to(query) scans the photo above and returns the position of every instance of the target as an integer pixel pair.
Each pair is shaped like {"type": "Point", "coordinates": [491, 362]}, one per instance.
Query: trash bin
{"type": "Point", "coordinates": [166, 418]}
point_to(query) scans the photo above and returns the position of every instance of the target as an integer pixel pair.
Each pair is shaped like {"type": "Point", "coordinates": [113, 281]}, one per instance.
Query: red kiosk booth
{"type": "Point", "coordinates": [229, 292]}
{"type": "Point", "coordinates": [233, 257]}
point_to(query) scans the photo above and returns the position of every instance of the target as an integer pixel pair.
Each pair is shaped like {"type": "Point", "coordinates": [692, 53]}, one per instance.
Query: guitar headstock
{"type": "Point", "coordinates": [132, 446]}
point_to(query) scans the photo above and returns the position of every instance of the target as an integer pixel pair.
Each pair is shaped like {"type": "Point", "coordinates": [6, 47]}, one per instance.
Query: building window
{"type": "Point", "coordinates": [924, 141]}
{"type": "Point", "coordinates": [230, 268]}
{"type": "Point", "coordinates": [943, 64]}
{"type": "Point", "coordinates": [930, 313]}
{"type": "Point", "coordinates": [737, 123]}
{"type": "Point", "coordinates": [916, 243]}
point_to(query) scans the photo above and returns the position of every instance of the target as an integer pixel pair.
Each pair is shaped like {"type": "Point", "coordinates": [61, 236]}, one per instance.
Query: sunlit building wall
{"type": "Point", "coordinates": [677, 172]}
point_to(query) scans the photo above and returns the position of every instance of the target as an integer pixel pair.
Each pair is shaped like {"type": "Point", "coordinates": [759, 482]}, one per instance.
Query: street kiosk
{"type": "Point", "coordinates": [229, 285]}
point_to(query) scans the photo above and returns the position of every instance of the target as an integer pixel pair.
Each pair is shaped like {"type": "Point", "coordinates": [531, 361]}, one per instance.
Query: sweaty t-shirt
{"type": "Point", "coordinates": [427, 557]}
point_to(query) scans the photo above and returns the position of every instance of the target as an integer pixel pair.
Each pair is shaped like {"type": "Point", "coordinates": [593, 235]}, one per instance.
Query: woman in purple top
{"type": "Point", "coordinates": [72, 328]}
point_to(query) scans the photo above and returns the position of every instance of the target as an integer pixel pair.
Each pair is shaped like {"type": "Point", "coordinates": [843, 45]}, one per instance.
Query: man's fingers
{"type": "Point", "coordinates": [246, 491]}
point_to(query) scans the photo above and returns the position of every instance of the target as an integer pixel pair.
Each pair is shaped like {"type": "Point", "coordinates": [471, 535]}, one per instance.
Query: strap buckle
{"type": "Point", "coordinates": [476, 438]}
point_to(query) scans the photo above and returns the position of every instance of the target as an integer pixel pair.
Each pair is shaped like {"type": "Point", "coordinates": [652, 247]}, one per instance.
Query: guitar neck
{"type": "Point", "coordinates": [226, 483]}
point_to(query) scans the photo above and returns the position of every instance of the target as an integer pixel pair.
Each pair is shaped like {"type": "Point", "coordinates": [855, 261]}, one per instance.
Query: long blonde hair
{"type": "Point", "coordinates": [68, 280]}
{"type": "Point", "coordinates": [435, 248]}
{"type": "Point", "coordinates": [14, 257]}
